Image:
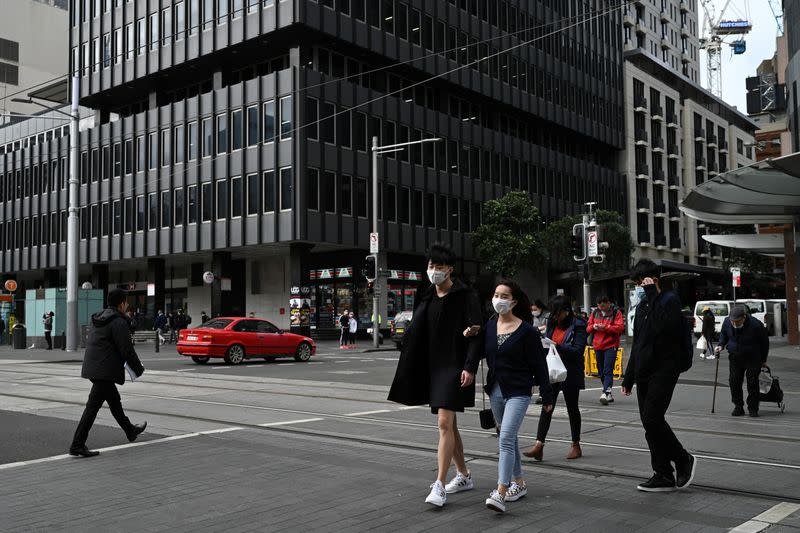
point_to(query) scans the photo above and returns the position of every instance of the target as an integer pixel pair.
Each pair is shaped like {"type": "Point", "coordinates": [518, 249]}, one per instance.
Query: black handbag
{"type": "Point", "coordinates": [486, 415]}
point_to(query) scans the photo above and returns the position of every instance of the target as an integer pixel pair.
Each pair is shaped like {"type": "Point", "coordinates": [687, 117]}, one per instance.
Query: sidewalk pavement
{"type": "Point", "coordinates": [273, 480]}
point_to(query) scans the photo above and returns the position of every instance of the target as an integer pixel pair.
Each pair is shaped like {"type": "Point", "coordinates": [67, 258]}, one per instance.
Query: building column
{"type": "Point", "coordinates": [790, 269]}
{"type": "Point", "coordinates": [220, 264]}
{"type": "Point", "coordinates": [155, 276]}
{"type": "Point", "coordinates": [100, 279]}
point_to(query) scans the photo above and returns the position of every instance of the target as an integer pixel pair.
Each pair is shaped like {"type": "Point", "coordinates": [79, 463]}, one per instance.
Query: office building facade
{"type": "Point", "coordinates": [233, 137]}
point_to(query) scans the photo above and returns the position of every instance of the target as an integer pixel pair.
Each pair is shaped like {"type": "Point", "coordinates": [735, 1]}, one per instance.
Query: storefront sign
{"type": "Point", "coordinates": [151, 289]}
{"type": "Point", "coordinates": [300, 309]}
{"type": "Point", "coordinates": [11, 285]}
{"type": "Point", "coordinates": [325, 273]}
{"type": "Point", "coordinates": [208, 278]}
{"type": "Point", "coordinates": [344, 272]}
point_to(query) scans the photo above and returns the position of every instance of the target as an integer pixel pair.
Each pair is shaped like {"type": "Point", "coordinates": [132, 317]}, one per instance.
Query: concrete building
{"type": "Point", "coordinates": [233, 137]}
{"type": "Point", "coordinates": [791, 18]}
{"type": "Point", "coordinates": [678, 135]}
{"type": "Point", "coordinates": [33, 43]}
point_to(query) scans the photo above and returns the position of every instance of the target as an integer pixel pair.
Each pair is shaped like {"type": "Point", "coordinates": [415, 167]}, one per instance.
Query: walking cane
{"type": "Point", "coordinates": [716, 373]}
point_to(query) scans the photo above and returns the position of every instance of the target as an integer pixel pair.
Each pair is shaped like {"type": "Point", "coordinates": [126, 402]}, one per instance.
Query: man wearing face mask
{"type": "Point", "coordinates": [747, 342]}
{"type": "Point", "coordinates": [438, 363]}
{"type": "Point", "coordinates": [654, 366]}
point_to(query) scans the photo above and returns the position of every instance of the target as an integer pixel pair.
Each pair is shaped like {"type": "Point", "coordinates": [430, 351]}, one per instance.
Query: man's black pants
{"type": "Point", "coordinates": [654, 396]}
{"type": "Point", "coordinates": [102, 391]}
{"type": "Point", "coordinates": [738, 371]}
{"type": "Point", "coordinates": [49, 338]}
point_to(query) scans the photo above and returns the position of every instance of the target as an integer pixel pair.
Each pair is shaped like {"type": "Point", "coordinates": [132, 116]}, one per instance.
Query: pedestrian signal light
{"type": "Point", "coordinates": [370, 269]}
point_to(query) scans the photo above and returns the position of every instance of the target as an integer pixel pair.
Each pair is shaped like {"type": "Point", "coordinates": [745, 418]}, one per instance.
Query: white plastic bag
{"type": "Point", "coordinates": [764, 381]}
{"type": "Point", "coordinates": [555, 366]}
{"type": "Point", "coordinates": [702, 344]}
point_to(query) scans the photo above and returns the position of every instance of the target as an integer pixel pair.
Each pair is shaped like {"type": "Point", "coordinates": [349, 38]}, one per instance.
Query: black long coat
{"type": "Point", "coordinates": [420, 372]}
{"type": "Point", "coordinates": [109, 347]}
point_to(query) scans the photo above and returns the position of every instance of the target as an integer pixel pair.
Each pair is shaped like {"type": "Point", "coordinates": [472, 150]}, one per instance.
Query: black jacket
{"type": "Point", "coordinates": [658, 335]}
{"type": "Point", "coordinates": [109, 347]}
{"type": "Point", "coordinates": [709, 325]}
{"type": "Point", "coordinates": [412, 380]}
{"type": "Point", "coordinates": [518, 364]}
{"type": "Point", "coordinates": [748, 346]}
{"type": "Point", "coordinates": [572, 351]}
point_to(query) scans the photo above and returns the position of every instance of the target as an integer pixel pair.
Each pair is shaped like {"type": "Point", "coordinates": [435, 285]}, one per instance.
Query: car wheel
{"type": "Point", "coordinates": [303, 352]}
{"type": "Point", "coordinates": [200, 360]}
{"type": "Point", "coordinates": [235, 355]}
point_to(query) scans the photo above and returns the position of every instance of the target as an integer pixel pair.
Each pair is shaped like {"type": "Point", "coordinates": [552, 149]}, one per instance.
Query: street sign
{"type": "Point", "coordinates": [736, 274]}
{"type": "Point", "coordinates": [591, 241]}
{"type": "Point", "coordinates": [373, 243]}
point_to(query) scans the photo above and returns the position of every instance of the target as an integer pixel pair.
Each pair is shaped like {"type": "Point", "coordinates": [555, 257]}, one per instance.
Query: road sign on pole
{"type": "Point", "coordinates": [591, 243]}
{"type": "Point", "coordinates": [373, 243]}
{"type": "Point", "coordinates": [736, 275]}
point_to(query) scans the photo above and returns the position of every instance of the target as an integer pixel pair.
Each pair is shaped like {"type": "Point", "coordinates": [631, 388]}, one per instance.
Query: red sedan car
{"type": "Point", "coordinates": [236, 339]}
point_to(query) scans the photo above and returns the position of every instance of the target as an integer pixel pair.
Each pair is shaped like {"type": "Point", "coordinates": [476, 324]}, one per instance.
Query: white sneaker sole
{"type": "Point", "coordinates": [456, 490]}
{"type": "Point", "coordinates": [494, 506]}
{"type": "Point", "coordinates": [435, 503]}
{"type": "Point", "coordinates": [656, 489]}
{"type": "Point", "coordinates": [691, 476]}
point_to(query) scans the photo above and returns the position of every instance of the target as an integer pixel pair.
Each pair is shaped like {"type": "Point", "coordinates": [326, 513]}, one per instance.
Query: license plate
{"type": "Point", "coordinates": [191, 337]}
{"type": "Point", "coordinates": [399, 330]}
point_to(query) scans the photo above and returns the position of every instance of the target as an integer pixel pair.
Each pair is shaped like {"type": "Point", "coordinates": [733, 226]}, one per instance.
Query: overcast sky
{"type": "Point", "coordinates": [760, 46]}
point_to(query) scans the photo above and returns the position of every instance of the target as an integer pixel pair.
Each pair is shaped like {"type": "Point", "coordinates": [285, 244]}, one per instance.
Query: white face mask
{"type": "Point", "coordinates": [437, 277]}
{"type": "Point", "coordinates": [501, 305]}
{"type": "Point", "coordinates": [537, 314]}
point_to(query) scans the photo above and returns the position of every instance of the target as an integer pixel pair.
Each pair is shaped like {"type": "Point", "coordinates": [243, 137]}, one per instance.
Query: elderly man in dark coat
{"type": "Point", "coordinates": [108, 349]}
{"type": "Point", "coordinates": [438, 363]}
{"type": "Point", "coordinates": [747, 342]}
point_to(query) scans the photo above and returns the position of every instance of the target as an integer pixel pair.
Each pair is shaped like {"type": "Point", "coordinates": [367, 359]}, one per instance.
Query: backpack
{"type": "Point", "coordinates": [686, 356]}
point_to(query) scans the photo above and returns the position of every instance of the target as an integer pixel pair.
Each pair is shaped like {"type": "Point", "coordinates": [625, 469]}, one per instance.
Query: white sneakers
{"type": "Point", "coordinates": [515, 491]}
{"type": "Point", "coordinates": [438, 496]}
{"type": "Point", "coordinates": [459, 483]}
{"type": "Point", "coordinates": [606, 398]}
{"type": "Point", "coordinates": [496, 502]}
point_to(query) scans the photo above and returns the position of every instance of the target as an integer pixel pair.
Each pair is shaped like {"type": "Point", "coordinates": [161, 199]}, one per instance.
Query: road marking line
{"type": "Point", "coordinates": [287, 422]}
{"type": "Point", "coordinates": [364, 413]}
{"type": "Point", "coordinates": [409, 407]}
{"type": "Point", "coordinates": [771, 516]}
{"type": "Point", "coordinates": [186, 370]}
{"type": "Point", "coordinates": [122, 447]}
{"type": "Point", "coordinates": [218, 367]}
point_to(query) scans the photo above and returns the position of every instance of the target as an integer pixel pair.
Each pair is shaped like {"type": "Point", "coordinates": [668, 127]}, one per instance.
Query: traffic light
{"type": "Point", "coordinates": [370, 268]}
{"type": "Point", "coordinates": [578, 242]}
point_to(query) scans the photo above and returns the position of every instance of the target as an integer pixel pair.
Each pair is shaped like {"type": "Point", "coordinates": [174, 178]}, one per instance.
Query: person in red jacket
{"type": "Point", "coordinates": [606, 324]}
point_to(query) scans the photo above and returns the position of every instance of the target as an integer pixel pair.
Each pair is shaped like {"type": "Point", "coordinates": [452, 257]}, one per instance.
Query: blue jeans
{"type": "Point", "coordinates": [508, 413]}
{"type": "Point", "coordinates": [605, 367]}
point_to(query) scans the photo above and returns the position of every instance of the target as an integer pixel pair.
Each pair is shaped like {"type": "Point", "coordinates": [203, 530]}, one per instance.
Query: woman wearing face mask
{"type": "Point", "coordinates": [516, 361]}
{"type": "Point", "coordinates": [568, 334]}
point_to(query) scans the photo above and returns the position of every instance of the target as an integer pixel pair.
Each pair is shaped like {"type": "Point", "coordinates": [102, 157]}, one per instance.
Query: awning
{"type": "Point", "coordinates": [788, 163]}
{"type": "Point", "coordinates": [766, 243]}
{"type": "Point", "coordinates": [721, 202]}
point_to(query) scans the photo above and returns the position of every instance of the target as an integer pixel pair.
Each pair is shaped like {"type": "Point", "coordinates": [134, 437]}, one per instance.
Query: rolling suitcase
{"type": "Point", "coordinates": [770, 388]}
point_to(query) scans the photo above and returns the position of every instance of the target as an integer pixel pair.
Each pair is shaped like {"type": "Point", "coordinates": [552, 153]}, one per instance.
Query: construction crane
{"type": "Point", "coordinates": [777, 11]}
{"type": "Point", "coordinates": [715, 30]}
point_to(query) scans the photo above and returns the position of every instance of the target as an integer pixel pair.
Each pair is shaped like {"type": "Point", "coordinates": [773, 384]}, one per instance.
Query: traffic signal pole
{"type": "Point", "coordinates": [377, 286]}
{"type": "Point", "coordinates": [587, 288]}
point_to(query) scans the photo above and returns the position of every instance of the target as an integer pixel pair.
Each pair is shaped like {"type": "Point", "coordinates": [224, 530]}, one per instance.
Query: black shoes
{"type": "Point", "coordinates": [684, 473]}
{"type": "Point", "coordinates": [658, 483]}
{"type": "Point", "coordinates": [135, 431]}
{"type": "Point", "coordinates": [738, 411]}
{"type": "Point", "coordinates": [753, 414]}
{"type": "Point", "coordinates": [83, 452]}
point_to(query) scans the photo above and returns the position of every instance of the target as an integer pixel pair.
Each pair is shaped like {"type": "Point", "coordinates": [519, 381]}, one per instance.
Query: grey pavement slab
{"type": "Point", "coordinates": [263, 480]}
{"type": "Point", "coordinates": [28, 436]}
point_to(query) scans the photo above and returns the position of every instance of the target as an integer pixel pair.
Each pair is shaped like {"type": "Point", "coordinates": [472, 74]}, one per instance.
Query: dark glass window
{"type": "Point", "coordinates": [286, 117]}
{"type": "Point", "coordinates": [312, 113]}
{"type": "Point", "coordinates": [117, 160]}
{"type": "Point", "coordinates": [269, 121]}
{"type": "Point", "coordinates": [129, 156]}
{"type": "Point", "coordinates": [328, 192]}
{"type": "Point", "coordinates": [180, 143]}
{"type": "Point", "coordinates": [222, 133]}
{"type": "Point", "coordinates": [140, 213]}
{"type": "Point", "coordinates": [312, 189]}
{"type": "Point", "coordinates": [208, 138]}
{"type": "Point", "coordinates": [129, 215]}
{"type": "Point", "coordinates": [269, 191]}
{"type": "Point", "coordinates": [152, 210]}
{"type": "Point", "coordinates": [237, 197]}
{"type": "Point", "coordinates": [253, 130]}
{"type": "Point", "coordinates": [346, 196]}
{"type": "Point", "coordinates": [236, 129]}
{"type": "Point", "coordinates": [222, 199]}
{"type": "Point", "coordinates": [166, 208]}
{"type": "Point", "coordinates": [286, 188]}
{"type": "Point", "coordinates": [192, 202]}
{"type": "Point", "coordinates": [178, 207]}
{"type": "Point", "coordinates": [207, 202]}
{"type": "Point", "coordinates": [117, 217]}
{"type": "Point", "coordinates": [192, 141]}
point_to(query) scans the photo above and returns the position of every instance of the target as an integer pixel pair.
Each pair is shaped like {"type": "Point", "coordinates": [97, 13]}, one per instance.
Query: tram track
{"type": "Point", "coordinates": [633, 413]}
{"type": "Point", "coordinates": [472, 454]}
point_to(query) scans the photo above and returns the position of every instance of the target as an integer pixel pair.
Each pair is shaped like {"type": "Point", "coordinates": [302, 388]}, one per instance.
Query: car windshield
{"type": "Point", "coordinates": [719, 309]}
{"type": "Point", "coordinates": [217, 323]}
{"type": "Point", "coordinates": [754, 306]}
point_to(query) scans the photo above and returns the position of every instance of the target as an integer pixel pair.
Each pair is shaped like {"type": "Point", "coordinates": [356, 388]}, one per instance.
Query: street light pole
{"type": "Point", "coordinates": [377, 284]}
{"type": "Point", "coordinates": [376, 151]}
{"type": "Point", "coordinates": [72, 222]}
